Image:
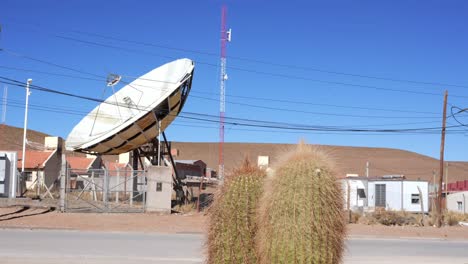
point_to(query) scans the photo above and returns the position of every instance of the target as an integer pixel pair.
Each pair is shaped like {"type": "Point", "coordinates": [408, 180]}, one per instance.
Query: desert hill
{"type": "Point", "coordinates": [11, 138]}
{"type": "Point", "coordinates": [382, 161]}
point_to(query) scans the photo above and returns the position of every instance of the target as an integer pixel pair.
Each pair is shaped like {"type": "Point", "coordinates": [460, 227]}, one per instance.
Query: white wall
{"type": "Point", "coordinates": [354, 184]}
{"type": "Point", "coordinates": [411, 187]}
{"type": "Point", "coordinates": [32, 183]}
{"type": "Point", "coordinates": [454, 199]}
{"type": "Point", "coordinates": [396, 200]}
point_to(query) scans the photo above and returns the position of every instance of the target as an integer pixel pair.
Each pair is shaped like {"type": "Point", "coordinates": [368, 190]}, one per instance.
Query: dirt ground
{"type": "Point", "coordinates": [39, 218]}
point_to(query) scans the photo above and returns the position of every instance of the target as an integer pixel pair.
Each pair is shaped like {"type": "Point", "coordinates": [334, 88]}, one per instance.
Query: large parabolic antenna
{"type": "Point", "coordinates": [131, 117]}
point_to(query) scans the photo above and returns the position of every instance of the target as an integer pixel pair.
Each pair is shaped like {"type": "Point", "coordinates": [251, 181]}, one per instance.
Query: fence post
{"type": "Point", "coordinates": [105, 189]}
{"type": "Point", "coordinates": [117, 186]}
{"type": "Point", "coordinates": [63, 182]}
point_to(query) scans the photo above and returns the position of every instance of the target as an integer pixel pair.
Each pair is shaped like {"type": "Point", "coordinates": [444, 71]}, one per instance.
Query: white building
{"type": "Point", "coordinates": [457, 202]}
{"type": "Point", "coordinates": [389, 192]}
{"type": "Point", "coordinates": [357, 188]}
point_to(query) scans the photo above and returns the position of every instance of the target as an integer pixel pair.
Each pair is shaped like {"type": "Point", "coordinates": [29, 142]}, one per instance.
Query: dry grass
{"type": "Point", "coordinates": [185, 208]}
{"type": "Point", "coordinates": [402, 218]}
{"type": "Point", "coordinates": [452, 219]}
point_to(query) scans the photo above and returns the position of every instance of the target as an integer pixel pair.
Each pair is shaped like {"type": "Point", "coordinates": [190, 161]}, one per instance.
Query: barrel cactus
{"type": "Point", "coordinates": [232, 224]}
{"type": "Point", "coordinates": [300, 217]}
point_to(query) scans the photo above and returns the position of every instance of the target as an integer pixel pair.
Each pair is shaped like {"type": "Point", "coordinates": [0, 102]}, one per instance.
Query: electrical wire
{"type": "Point", "coordinates": [298, 111]}
{"type": "Point", "coordinates": [460, 110]}
{"type": "Point", "coordinates": [245, 122]}
{"type": "Point", "coordinates": [254, 60]}
{"type": "Point", "coordinates": [238, 69]}
{"type": "Point", "coordinates": [232, 96]}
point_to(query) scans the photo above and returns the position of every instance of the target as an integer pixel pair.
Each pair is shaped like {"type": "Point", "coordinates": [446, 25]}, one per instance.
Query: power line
{"type": "Point", "coordinates": [19, 102]}
{"type": "Point", "coordinates": [243, 121]}
{"type": "Point", "coordinates": [316, 113]}
{"type": "Point", "coordinates": [460, 110]}
{"type": "Point", "coordinates": [47, 62]}
{"type": "Point", "coordinates": [259, 61]}
{"type": "Point", "coordinates": [272, 130]}
{"type": "Point", "coordinates": [286, 76]}
{"type": "Point", "coordinates": [232, 96]}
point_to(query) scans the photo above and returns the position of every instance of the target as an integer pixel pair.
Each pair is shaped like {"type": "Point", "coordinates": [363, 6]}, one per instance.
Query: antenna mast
{"type": "Point", "coordinates": [225, 37]}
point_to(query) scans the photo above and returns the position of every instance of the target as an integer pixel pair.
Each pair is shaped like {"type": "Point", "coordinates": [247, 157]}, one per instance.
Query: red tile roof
{"type": "Point", "coordinates": [34, 159]}
{"type": "Point", "coordinates": [80, 163]}
{"type": "Point", "coordinates": [113, 167]}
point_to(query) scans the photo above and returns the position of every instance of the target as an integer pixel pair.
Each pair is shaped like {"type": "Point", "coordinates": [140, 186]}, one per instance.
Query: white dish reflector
{"type": "Point", "coordinates": [130, 117]}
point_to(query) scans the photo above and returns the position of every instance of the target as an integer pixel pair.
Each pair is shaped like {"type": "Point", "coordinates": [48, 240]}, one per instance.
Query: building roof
{"type": "Point", "coordinates": [34, 159]}
{"type": "Point", "coordinates": [114, 165]}
{"type": "Point", "coordinates": [80, 163]}
{"type": "Point", "coordinates": [115, 168]}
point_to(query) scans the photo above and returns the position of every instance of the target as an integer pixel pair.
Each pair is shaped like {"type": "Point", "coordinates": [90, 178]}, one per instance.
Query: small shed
{"type": "Point", "coordinates": [399, 194]}
{"type": "Point", "coordinates": [457, 202]}
{"type": "Point", "coordinates": [390, 192]}
{"type": "Point", "coordinates": [190, 168]}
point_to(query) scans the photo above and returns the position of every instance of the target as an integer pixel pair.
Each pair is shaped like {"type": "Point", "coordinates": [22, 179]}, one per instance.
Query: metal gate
{"type": "Point", "coordinates": [107, 191]}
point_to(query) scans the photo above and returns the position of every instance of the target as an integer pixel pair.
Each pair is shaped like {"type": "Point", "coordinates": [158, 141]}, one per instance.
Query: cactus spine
{"type": "Point", "coordinates": [232, 224]}
{"type": "Point", "coordinates": [300, 218]}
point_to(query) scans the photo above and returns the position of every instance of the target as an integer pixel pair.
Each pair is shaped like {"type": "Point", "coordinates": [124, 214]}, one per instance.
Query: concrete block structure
{"type": "Point", "coordinates": [159, 189]}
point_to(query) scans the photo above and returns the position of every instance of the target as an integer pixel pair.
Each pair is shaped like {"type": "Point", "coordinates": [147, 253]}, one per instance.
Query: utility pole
{"type": "Point", "coordinates": [225, 37]}
{"type": "Point", "coordinates": [367, 169]}
{"type": "Point", "coordinates": [441, 165]}
{"type": "Point", "coordinates": [446, 183]}
{"type": "Point", "coordinates": [28, 93]}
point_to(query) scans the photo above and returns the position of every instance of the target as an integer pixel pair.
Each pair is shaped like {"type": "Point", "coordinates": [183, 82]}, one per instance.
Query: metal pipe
{"type": "Point", "coordinates": [25, 125]}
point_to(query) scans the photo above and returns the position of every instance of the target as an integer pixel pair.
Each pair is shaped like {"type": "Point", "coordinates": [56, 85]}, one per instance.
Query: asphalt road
{"type": "Point", "coordinates": [59, 246]}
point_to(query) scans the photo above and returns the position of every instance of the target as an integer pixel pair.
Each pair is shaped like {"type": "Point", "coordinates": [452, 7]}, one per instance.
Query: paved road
{"type": "Point", "coordinates": [57, 246]}
{"type": "Point", "coordinates": [411, 251]}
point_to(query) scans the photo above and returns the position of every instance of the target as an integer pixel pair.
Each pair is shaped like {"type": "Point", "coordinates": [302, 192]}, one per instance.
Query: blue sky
{"type": "Point", "coordinates": [307, 52]}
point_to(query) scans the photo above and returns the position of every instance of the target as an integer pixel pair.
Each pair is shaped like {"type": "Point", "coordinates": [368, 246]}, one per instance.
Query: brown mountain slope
{"type": "Point", "coordinates": [382, 161]}
{"type": "Point", "coordinates": [11, 138]}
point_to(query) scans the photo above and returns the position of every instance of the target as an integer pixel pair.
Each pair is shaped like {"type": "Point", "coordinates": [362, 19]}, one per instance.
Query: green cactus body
{"type": "Point", "coordinates": [300, 218]}
{"type": "Point", "coordinates": [232, 224]}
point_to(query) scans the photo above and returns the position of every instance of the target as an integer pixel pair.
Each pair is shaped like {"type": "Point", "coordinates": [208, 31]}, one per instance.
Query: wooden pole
{"type": "Point", "coordinates": [441, 165]}
{"type": "Point", "coordinates": [421, 201]}
{"type": "Point", "coordinates": [348, 204]}
{"type": "Point", "coordinates": [446, 185]}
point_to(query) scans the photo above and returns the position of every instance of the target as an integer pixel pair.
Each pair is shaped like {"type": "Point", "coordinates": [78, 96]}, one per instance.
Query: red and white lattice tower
{"type": "Point", "coordinates": [225, 37]}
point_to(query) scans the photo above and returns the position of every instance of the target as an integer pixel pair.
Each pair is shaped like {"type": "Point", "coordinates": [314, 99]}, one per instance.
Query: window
{"type": "Point", "coordinates": [460, 206]}
{"type": "Point", "coordinates": [361, 193]}
{"type": "Point", "coordinates": [159, 186]}
{"type": "Point", "coordinates": [415, 198]}
{"type": "Point", "coordinates": [380, 195]}
{"type": "Point", "coordinates": [28, 175]}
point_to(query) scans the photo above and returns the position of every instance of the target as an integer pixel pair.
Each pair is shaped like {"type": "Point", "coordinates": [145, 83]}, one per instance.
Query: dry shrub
{"type": "Point", "coordinates": [452, 218]}
{"type": "Point", "coordinates": [391, 218]}
{"type": "Point", "coordinates": [399, 218]}
{"type": "Point", "coordinates": [232, 225]}
{"type": "Point", "coordinates": [355, 217]}
{"type": "Point", "coordinates": [301, 217]}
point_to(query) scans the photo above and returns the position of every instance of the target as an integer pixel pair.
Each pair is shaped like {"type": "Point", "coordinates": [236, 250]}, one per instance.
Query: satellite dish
{"type": "Point", "coordinates": [130, 117]}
